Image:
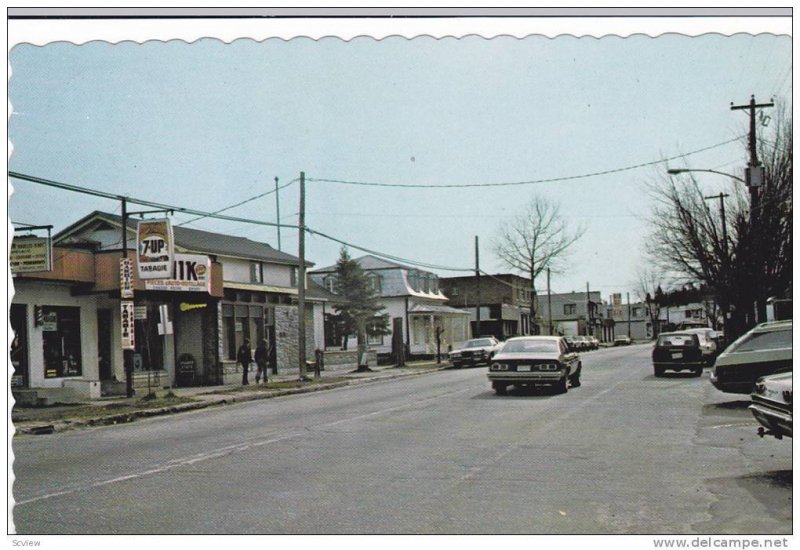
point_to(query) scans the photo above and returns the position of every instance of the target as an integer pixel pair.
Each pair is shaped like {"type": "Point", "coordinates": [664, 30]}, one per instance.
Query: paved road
{"type": "Point", "coordinates": [440, 453]}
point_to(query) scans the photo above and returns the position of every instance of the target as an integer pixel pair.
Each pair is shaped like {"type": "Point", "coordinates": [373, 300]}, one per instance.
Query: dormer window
{"type": "Point", "coordinates": [375, 283]}
{"type": "Point", "coordinates": [256, 272]}
{"type": "Point", "coordinates": [329, 283]}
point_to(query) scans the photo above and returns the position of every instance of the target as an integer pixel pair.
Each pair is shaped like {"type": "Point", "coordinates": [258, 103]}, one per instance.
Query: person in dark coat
{"type": "Point", "coordinates": [262, 360]}
{"type": "Point", "coordinates": [244, 356]}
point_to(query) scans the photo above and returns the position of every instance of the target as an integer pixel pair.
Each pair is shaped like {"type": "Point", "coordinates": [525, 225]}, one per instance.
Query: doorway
{"type": "Point", "coordinates": [104, 344]}
{"type": "Point", "coordinates": [19, 346]}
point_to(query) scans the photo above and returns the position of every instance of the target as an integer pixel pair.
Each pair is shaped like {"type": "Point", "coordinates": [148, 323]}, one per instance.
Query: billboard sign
{"type": "Point", "coordinates": [155, 249]}
{"type": "Point", "coordinates": [30, 254]}
{"type": "Point", "coordinates": [191, 273]}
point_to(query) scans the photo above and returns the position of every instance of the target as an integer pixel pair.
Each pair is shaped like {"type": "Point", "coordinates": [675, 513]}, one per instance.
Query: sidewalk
{"type": "Point", "coordinates": [119, 410]}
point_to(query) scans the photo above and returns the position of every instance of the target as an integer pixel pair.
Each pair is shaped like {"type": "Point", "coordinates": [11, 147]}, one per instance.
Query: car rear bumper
{"type": "Point", "coordinates": [527, 377]}
{"type": "Point", "coordinates": [732, 386]}
{"type": "Point", "coordinates": [777, 421]}
{"type": "Point", "coordinates": [680, 366]}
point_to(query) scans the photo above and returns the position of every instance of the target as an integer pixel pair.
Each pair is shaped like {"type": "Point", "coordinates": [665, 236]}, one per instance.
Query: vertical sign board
{"type": "Point", "coordinates": [616, 300]}
{"type": "Point", "coordinates": [126, 322]}
{"type": "Point", "coordinates": [126, 279]}
{"type": "Point", "coordinates": [155, 249]}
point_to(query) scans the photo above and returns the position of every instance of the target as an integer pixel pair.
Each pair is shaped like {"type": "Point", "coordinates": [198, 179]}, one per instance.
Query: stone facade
{"type": "Point", "coordinates": [287, 326]}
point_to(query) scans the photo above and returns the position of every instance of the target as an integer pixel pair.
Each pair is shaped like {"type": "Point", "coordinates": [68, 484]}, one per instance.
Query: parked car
{"type": "Point", "coordinates": [622, 340]}
{"type": "Point", "coordinates": [708, 343]}
{"type": "Point", "coordinates": [594, 343]}
{"type": "Point", "coordinates": [583, 343]}
{"type": "Point", "coordinates": [533, 361]}
{"type": "Point", "coordinates": [478, 351]}
{"type": "Point", "coordinates": [572, 343]}
{"type": "Point", "coordinates": [772, 405]}
{"type": "Point", "coordinates": [678, 351]}
{"type": "Point", "coordinates": [766, 349]}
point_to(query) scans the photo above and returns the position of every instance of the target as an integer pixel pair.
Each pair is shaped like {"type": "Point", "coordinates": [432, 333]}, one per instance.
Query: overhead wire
{"type": "Point", "coordinates": [528, 182]}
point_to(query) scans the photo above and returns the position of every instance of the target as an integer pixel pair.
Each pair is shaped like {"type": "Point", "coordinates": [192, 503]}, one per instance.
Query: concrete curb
{"type": "Point", "coordinates": [213, 400]}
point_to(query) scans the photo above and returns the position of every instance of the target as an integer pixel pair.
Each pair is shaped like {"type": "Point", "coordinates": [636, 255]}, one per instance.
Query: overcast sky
{"type": "Point", "coordinates": [207, 124]}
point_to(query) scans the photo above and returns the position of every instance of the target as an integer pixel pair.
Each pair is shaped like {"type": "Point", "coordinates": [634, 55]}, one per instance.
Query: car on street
{"type": "Point", "coordinates": [478, 351]}
{"type": "Point", "coordinates": [527, 361]}
{"type": "Point", "coordinates": [678, 351]}
{"type": "Point", "coordinates": [764, 350]}
{"type": "Point", "coordinates": [622, 340]}
{"type": "Point", "coordinates": [772, 405]}
{"type": "Point", "coordinates": [708, 343]}
{"type": "Point", "coordinates": [594, 343]}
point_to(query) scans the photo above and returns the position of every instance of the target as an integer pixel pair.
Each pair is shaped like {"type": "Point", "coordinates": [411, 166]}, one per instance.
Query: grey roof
{"type": "Point", "coordinates": [200, 241]}
{"type": "Point", "coordinates": [369, 262]}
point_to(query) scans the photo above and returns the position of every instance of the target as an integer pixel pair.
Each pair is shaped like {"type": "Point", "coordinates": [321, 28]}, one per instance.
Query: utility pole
{"type": "Point", "coordinates": [478, 287]}
{"type": "Point", "coordinates": [588, 313]}
{"type": "Point", "coordinates": [127, 354]}
{"type": "Point", "coordinates": [301, 279]}
{"type": "Point", "coordinates": [278, 211]}
{"type": "Point", "coordinates": [754, 177]}
{"type": "Point", "coordinates": [549, 306]}
{"type": "Point", "coordinates": [628, 294]}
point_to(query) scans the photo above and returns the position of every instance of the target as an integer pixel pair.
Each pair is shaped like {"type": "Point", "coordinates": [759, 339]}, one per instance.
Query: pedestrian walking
{"type": "Point", "coordinates": [262, 360]}
{"type": "Point", "coordinates": [244, 357]}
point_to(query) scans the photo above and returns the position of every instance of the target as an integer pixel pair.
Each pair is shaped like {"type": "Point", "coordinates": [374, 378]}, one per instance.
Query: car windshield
{"type": "Point", "coordinates": [757, 341]}
{"type": "Point", "coordinates": [676, 340]}
{"type": "Point", "coordinates": [528, 346]}
{"type": "Point", "coordinates": [482, 343]}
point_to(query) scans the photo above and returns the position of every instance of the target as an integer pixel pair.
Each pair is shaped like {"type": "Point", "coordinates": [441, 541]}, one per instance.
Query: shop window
{"type": "Point", "coordinates": [61, 339]}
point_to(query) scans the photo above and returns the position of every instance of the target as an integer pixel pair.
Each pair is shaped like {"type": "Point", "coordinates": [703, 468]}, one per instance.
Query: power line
{"type": "Point", "coordinates": [529, 182]}
{"type": "Point", "coordinates": [241, 203]}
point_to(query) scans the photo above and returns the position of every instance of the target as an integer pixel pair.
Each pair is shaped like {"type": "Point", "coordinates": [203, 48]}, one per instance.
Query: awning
{"type": "Point", "coordinates": [429, 309]}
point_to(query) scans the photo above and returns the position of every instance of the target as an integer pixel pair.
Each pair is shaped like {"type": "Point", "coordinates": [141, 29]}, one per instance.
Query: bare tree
{"type": "Point", "coordinates": [648, 290]}
{"type": "Point", "coordinates": [536, 240]}
{"type": "Point", "coordinates": [753, 257]}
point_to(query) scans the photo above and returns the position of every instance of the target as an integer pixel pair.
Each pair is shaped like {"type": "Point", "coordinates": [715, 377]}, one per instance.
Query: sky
{"type": "Point", "coordinates": [206, 124]}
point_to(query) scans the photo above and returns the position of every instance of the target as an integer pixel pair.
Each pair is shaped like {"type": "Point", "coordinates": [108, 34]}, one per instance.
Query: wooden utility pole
{"type": "Point", "coordinates": [628, 294]}
{"type": "Point", "coordinates": [301, 279]}
{"type": "Point", "coordinates": [721, 198]}
{"type": "Point", "coordinates": [754, 177]}
{"type": "Point", "coordinates": [127, 354]}
{"type": "Point", "coordinates": [478, 288]}
{"type": "Point", "coordinates": [278, 212]}
{"type": "Point", "coordinates": [549, 306]}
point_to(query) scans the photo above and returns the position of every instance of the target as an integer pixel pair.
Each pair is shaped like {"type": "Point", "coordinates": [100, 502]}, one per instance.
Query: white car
{"type": "Point", "coordinates": [707, 344]}
{"type": "Point", "coordinates": [772, 405]}
{"type": "Point", "coordinates": [478, 351]}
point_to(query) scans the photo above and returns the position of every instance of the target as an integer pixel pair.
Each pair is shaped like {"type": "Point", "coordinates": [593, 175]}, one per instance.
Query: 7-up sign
{"type": "Point", "coordinates": [155, 249]}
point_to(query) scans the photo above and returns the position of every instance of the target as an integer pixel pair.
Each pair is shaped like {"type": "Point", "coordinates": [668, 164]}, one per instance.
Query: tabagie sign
{"type": "Point", "coordinates": [191, 273]}
{"type": "Point", "coordinates": [155, 249]}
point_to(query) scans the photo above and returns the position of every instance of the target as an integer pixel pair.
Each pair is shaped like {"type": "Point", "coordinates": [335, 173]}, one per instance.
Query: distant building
{"type": "Point", "coordinates": [577, 313]}
{"type": "Point", "coordinates": [416, 306]}
{"type": "Point", "coordinates": [504, 301]}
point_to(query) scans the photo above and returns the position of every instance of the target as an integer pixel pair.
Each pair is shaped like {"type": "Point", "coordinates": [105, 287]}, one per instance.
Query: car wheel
{"type": "Point", "coordinates": [500, 388]}
{"type": "Point", "coordinates": [575, 379]}
{"type": "Point", "coordinates": [698, 372]}
{"type": "Point", "coordinates": [658, 371]}
{"type": "Point", "coordinates": [563, 385]}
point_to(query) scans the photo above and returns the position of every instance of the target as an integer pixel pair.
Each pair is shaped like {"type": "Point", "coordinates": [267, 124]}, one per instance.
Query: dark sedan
{"type": "Point", "coordinates": [533, 361]}
{"type": "Point", "coordinates": [678, 351]}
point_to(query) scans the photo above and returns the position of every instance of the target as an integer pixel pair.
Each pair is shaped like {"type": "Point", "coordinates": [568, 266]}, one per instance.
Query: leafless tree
{"type": "Point", "coordinates": [752, 257]}
{"type": "Point", "coordinates": [649, 291]}
{"type": "Point", "coordinates": [535, 240]}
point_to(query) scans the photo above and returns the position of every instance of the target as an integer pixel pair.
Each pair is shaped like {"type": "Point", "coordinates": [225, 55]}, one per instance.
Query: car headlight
{"type": "Point", "coordinates": [549, 366]}
{"type": "Point", "coordinates": [499, 366]}
{"type": "Point", "coordinates": [760, 387]}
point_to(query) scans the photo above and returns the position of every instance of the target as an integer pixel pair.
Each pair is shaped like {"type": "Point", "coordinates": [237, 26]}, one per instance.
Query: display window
{"type": "Point", "coordinates": [61, 340]}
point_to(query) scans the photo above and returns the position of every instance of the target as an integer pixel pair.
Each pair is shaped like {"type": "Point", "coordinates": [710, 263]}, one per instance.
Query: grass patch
{"type": "Point", "coordinates": [287, 384]}
{"type": "Point", "coordinates": [88, 412]}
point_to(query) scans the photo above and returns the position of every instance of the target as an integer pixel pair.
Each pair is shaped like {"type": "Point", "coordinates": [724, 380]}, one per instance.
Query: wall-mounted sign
{"type": "Point", "coordinates": [126, 324]}
{"type": "Point", "coordinates": [191, 273]}
{"type": "Point", "coordinates": [50, 322]}
{"type": "Point", "coordinates": [126, 279]}
{"type": "Point", "coordinates": [155, 249]}
{"type": "Point", "coordinates": [29, 254]}
{"type": "Point", "coordinates": [139, 313]}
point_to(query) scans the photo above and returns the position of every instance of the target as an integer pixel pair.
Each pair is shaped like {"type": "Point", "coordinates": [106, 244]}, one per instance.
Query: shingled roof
{"type": "Point", "coordinates": [195, 240]}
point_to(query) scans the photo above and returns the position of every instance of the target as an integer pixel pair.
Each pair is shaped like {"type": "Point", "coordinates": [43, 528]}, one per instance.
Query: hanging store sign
{"type": "Point", "coordinates": [191, 273]}
{"type": "Point", "coordinates": [155, 249]}
{"type": "Point", "coordinates": [126, 279]}
{"type": "Point", "coordinates": [126, 324]}
{"type": "Point", "coordinates": [30, 254]}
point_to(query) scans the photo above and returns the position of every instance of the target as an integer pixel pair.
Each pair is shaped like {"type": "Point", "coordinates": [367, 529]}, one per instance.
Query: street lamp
{"type": "Point", "coordinates": [675, 171]}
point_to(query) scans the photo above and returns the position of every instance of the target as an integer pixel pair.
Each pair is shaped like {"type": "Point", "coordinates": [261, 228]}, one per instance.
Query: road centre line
{"type": "Point", "coordinates": [224, 451]}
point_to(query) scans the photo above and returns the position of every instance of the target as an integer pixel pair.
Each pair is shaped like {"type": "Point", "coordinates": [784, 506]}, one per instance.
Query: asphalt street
{"type": "Point", "coordinates": [624, 453]}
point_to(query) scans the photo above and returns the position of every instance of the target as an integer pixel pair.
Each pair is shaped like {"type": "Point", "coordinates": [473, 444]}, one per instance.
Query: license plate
{"type": "Point", "coordinates": [523, 368]}
{"type": "Point", "coordinates": [677, 355]}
